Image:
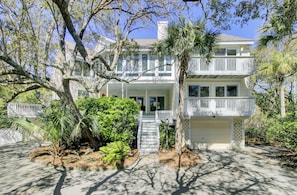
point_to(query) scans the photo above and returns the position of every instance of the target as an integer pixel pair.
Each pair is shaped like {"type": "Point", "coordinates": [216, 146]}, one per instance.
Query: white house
{"type": "Point", "coordinates": [217, 98]}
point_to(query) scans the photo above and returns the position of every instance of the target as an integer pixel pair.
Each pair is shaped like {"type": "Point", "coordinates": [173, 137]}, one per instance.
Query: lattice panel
{"type": "Point", "coordinates": [237, 126]}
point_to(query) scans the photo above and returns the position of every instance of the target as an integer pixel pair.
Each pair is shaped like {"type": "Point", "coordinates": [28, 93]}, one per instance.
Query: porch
{"type": "Point", "coordinates": [220, 67]}
{"type": "Point", "coordinates": [214, 106]}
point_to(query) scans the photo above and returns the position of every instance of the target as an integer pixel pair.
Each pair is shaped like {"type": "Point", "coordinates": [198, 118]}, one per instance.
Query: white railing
{"type": "Point", "coordinates": [139, 129]}
{"type": "Point", "coordinates": [23, 110]}
{"type": "Point", "coordinates": [231, 106]}
{"type": "Point", "coordinates": [222, 66]}
{"type": "Point", "coordinates": [165, 116]}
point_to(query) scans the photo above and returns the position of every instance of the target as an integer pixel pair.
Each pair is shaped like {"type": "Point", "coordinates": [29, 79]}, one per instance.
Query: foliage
{"type": "Point", "coordinates": [58, 123]}
{"type": "Point", "coordinates": [116, 118]}
{"type": "Point", "coordinates": [185, 38]}
{"type": "Point", "coordinates": [166, 129]}
{"type": "Point", "coordinates": [284, 131]}
{"type": "Point", "coordinates": [115, 152]}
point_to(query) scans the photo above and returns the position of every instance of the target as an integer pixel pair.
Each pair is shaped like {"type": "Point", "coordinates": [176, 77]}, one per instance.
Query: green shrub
{"type": "Point", "coordinates": [284, 131]}
{"type": "Point", "coordinates": [115, 152]}
{"type": "Point", "coordinates": [165, 128]}
{"type": "Point", "coordinates": [116, 117]}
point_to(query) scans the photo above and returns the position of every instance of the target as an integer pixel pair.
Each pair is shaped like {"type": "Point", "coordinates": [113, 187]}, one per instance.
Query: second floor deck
{"type": "Point", "coordinates": [222, 67]}
{"type": "Point", "coordinates": [214, 106]}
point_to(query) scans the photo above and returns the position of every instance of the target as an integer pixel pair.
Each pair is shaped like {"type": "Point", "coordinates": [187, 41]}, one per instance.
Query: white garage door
{"type": "Point", "coordinates": [211, 134]}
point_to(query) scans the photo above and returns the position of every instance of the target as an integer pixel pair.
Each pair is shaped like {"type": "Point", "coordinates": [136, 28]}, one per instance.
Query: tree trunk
{"type": "Point", "coordinates": [282, 99]}
{"type": "Point", "coordinates": [180, 115]}
{"type": "Point", "coordinates": [85, 130]}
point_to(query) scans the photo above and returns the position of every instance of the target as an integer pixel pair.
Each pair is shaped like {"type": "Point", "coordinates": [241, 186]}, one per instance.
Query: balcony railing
{"type": "Point", "coordinates": [23, 110]}
{"type": "Point", "coordinates": [238, 65]}
{"type": "Point", "coordinates": [231, 106]}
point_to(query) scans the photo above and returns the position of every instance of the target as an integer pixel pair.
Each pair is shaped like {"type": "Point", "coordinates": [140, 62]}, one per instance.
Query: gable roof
{"type": "Point", "coordinates": [224, 38]}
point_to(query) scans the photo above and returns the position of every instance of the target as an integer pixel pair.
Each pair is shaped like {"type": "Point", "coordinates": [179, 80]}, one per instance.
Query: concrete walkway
{"type": "Point", "coordinates": [226, 172]}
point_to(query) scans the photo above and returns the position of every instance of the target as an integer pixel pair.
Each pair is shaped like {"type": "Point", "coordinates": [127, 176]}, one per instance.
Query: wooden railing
{"type": "Point", "coordinates": [23, 110]}
{"type": "Point", "coordinates": [231, 106]}
{"type": "Point", "coordinates": [222, 66]}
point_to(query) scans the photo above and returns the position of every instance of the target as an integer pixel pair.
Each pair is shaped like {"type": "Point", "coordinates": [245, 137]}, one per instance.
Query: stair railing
{"type": "Point", "coordinates": [139, 129]}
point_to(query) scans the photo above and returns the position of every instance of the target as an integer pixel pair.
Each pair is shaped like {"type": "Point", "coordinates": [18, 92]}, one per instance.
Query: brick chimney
{"type": "Point", "coordinates": [162, 30]}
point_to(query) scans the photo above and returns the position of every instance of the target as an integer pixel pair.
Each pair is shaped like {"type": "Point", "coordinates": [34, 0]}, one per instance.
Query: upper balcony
{"type": "Point", "coordinates": [221, 67]}
{"type": "Point", "coordinates": [214, 106]}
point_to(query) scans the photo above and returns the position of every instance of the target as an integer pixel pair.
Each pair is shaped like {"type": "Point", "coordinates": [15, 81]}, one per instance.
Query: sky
{"type": "Point", "coordinates": [249, 31]}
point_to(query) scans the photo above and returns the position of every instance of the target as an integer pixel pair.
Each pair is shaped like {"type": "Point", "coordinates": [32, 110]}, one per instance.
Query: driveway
{"type": "Point", "coordinates": [225, 172]}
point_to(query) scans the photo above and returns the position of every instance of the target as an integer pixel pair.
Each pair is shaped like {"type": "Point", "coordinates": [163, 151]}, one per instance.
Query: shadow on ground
{"type": "Point", "coordinates": [226, 172]}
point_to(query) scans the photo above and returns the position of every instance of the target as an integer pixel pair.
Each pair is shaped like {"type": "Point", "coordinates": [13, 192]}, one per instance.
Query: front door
{"type": "Point", "coordinates": [157, 103]}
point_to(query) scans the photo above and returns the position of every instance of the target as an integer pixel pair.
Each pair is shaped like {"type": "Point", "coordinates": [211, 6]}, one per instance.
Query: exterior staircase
{"type": "Point", "coordinates": [148, 136]}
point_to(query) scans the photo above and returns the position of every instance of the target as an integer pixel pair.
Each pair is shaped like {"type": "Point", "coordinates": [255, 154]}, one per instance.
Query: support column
{"type": "Point", "coordinates": [107, 90]}
{"type": "Point", "coordinates": [146, 101]}
{"type": "Point", "coordinates": [122, 90]}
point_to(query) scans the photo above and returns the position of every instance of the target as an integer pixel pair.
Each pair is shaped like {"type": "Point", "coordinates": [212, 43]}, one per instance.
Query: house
{"type": "Point", "coordinates": [217, 98]}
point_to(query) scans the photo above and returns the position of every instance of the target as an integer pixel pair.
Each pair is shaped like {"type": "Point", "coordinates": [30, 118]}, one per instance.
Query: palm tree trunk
{"type": "Point", "coordinates": [282, 99]}
{"type": "Point", "coordinates": [181, 93]}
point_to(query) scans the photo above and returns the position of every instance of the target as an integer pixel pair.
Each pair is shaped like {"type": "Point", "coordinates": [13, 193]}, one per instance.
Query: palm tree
{"type": "Point", "coordinates": [185, 38]}
{"type": "Point", "coordinates": [276, 64]}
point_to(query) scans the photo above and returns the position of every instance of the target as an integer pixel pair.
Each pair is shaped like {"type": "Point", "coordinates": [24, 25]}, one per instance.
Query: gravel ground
{"type": "Point", "coordinates": [224, 172]}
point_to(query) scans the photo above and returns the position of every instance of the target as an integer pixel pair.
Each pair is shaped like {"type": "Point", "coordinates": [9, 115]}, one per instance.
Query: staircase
{"type": "Point", "coordinates": [148, 137]}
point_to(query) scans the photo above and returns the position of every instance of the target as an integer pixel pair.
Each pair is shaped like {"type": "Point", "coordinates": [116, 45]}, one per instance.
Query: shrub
{"type": "Point", "coordinates": [116, 118]}
{"type": "Point", "coordinates": [115, 152]}
{"type": "Point", "coordinates": [165, 128]}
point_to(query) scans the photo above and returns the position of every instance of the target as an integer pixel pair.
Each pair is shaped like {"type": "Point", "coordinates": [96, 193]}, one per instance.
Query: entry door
{"type": "Point", "coordinates": [157, 103]}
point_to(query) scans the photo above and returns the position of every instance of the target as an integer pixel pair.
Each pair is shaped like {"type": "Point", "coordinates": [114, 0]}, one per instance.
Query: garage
{"type": "Point", "coordinates": [211, 134]}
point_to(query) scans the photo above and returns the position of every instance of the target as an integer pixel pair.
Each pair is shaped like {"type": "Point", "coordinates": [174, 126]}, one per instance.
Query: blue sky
{"type": "Point", "coordinates": [249, 31]}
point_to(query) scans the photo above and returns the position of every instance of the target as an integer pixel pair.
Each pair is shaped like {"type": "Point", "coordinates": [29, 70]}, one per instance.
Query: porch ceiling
{"type": "Point", "coordinates": [142, 86]}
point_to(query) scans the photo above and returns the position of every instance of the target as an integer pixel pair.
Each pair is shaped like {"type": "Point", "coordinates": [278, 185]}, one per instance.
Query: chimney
{"type": "Point", "coordinates": [162, 30]}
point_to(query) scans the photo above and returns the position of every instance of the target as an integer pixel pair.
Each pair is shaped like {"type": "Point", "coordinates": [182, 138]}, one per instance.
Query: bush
{"type": "Point", "coordinates": [164, 127]}
{"type": "Point", "coordinates": [115, 152]}
{"type": "Point", "coordinates": [116, 118]}
{"type": "Point", "coordinates": [284, 131]}
{"type": "Point", "coordinates": [58, 124]}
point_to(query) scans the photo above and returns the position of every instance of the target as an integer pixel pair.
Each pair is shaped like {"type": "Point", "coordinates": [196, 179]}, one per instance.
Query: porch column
{"type": "Point", "coordinates": [232, 134]}
{"type": "Point", "coordinates": [122, 90]}
{"type": "Point", "coordinates": [146, 101]}
{"type": "Point", "coordinates": [107, 90]}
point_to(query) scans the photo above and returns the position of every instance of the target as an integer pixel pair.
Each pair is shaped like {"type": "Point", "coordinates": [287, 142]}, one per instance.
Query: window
{"type": "Point", "coordinates": [82, 93]}
{"type": "Point", "coordinates": [220, 91]}
{"type": "Point", "coordinates": [220, 52]}
{"type": "Point", "coordinates": [231, 52]}
{"type": "Point", "coordinates": [120, 64]}
{"type": "Point", "coordinates": [204, 91]}
{"type": "Point", "coordinates": [77, 69]}
{"type": "Point", "coordinates": [193, 91]}
{"type": "Point", "coordinates": [144, 62]}
{"type": "Point", "coordinates": [81, 68]}
{"type": "Point", "coordinates": [161, 63]}
{"type": "Point", "coordinates": [168, 63]}
{"type": "Point", "coordinates": [231, 91]}
{"type": "Point", "coordinates": [152, 61]}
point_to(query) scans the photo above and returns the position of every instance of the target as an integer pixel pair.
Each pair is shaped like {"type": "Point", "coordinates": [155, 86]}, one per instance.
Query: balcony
{"type": "Point", "coordinates": [231, 106]}
{"type": "Point", "coordinates": [221, 67]}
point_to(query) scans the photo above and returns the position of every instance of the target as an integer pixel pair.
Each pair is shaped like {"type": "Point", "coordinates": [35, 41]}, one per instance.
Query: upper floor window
{"type": "Point", "coordinates": [165, 63]}
{"type": "Point", "coordinates": [132, 62]}
{"type": "Point", "coordinates": [225, 52]}
{"type": "Point", "coordinates": [82, 93]}
{"type": "Point", "coordinates": [198, 91]}
{"type": "Point", "coordinates": [144, 60]}
{"type": "Point", "coordinates": [81, 69]}
{"type": "Point", "coordinates": [231, 91]}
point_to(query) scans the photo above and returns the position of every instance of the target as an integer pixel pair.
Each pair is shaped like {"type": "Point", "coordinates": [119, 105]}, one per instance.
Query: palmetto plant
{"type": "Point", "coordinates": [184, 39]}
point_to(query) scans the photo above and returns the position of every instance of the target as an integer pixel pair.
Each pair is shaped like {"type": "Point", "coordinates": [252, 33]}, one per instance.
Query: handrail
{"type": "Point", "coordinates": [219, 106]}
{"type": "Point", "coordinates": [139, 129]}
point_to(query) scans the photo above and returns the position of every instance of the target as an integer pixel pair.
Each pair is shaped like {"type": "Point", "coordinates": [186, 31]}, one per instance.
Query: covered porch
{"type": "Point", "coordinates": [151, 97]}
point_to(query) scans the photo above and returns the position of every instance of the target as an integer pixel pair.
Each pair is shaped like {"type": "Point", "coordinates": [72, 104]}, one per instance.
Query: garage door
{"type": "Point", "coordinates": [210, 134]}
